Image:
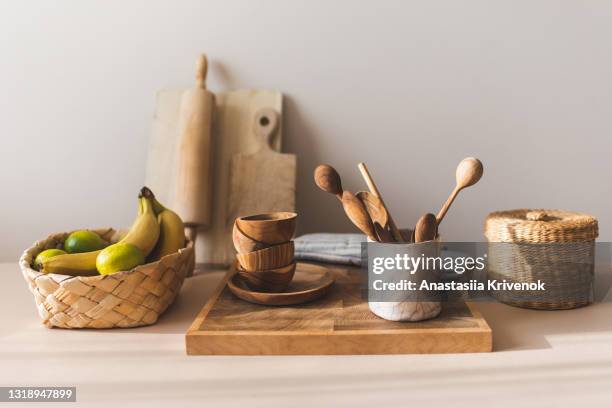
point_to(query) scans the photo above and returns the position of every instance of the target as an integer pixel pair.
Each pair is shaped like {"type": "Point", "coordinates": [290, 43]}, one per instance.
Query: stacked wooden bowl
{"type": "Point", "coordinates": [265, 250]}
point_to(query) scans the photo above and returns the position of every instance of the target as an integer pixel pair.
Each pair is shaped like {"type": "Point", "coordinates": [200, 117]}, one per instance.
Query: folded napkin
{"type": "Point", "coordinates": [342, 249]}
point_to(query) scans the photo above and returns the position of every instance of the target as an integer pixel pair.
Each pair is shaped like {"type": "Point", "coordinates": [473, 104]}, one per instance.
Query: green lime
{"type": "Point", "coordinates": [44, 255]}
{"type": "Point", "coordinates": [119, 257]}
{"type": "Point", "coordinates": [83, 241]}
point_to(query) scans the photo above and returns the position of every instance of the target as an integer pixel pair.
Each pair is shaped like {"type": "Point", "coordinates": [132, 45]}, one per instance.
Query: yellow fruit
{"type": "Point", "coordinates": [172, 230]}
{"type": "Point", "coordinates": [145, 230]}
{"type": "Point", "coordinates": [82, 264]}
{"type": "Point", "coordinates": [143, 234]}
{"type": "Point", "coordinates": [171, 236]}
{"type": "Point", "coordinates": [121, 256]}
{"type": "Point", "coordinates": [44, 255]}
{"type": "Point", "coordinates": [157, 206]}
{"type": "Point", "coordinates": [83, 241]}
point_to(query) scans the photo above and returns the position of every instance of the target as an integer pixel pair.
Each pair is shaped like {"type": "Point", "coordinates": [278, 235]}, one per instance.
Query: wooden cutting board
{"type": "Point", "coordinates": [232, 134]}
{"type": "Point", "coordinates": [340, 323]}
{"type": "Point", "coordinates": [262, 181]}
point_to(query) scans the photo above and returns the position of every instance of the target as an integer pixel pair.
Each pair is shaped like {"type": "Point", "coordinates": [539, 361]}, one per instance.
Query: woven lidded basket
{"type": "Point", "coordinates": [552, 246]}
{"type": "Point", "coordinates": [124, 299]}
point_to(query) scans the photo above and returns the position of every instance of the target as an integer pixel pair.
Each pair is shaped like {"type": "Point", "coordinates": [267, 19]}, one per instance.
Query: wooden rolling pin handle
{"type": "Point", "coordinates": [201, 71]}
{"type": "Point", "coordinates": [192, 232]}
{"type": "Point", "coordinates": [194, 184]}
{"type": "Point", "coordinates": [374, 190]}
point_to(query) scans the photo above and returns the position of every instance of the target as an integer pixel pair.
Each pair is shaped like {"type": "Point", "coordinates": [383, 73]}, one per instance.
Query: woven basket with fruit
{"type": "Point", "coordinates": [104, 279]}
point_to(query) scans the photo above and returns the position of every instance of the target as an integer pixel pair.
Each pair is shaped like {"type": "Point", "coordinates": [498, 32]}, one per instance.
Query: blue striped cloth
{"type": "Point", "coordinates": [342, 249]}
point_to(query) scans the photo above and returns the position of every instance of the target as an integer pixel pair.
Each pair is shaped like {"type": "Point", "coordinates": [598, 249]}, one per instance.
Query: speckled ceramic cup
{"type": "Point", "coordinates": [409, 310]}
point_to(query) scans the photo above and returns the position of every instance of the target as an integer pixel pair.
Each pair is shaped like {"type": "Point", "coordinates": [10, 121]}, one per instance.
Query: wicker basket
{"type": "Point", "coordinates": [553, 246]}
{"type": "Point", "coordinates": [123, 299]}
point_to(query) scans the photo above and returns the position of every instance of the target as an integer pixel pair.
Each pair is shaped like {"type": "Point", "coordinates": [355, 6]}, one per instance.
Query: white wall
{"type": "Point", "coordinates": [409, 87]}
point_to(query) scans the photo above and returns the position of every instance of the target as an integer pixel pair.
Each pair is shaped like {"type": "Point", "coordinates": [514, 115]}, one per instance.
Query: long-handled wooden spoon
{"type": "Point", "coordinates": [328, 180]}
{"type": "Point", "coordinates": [378, 213]}
{"type": "Point", "coordinates": [357, 213]}
{"type": "Point", "coordinates": [426, 228]}
{"type": "Point", "coordinates": [383, 234]}
{"type": "Point", "coordinates": [374, 190]}
{"type": "Point", "coordinates": [468, 172]}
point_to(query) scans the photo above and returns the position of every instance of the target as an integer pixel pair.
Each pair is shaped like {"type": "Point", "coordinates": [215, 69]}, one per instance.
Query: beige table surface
{"type": "Point", "coordinates": [541, 359]}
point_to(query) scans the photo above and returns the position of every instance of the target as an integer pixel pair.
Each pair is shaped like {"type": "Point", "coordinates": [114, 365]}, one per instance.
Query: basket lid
{"type": "Point", "coordinates": [540, 225]}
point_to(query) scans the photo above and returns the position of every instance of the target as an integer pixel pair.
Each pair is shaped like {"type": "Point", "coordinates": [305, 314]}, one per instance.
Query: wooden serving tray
{"type": "Point", "coordinates": [339, 323]}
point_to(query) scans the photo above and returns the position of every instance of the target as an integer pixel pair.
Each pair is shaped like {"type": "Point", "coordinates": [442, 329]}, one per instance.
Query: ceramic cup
{"type": "Point", "coordinates": [407, 309]}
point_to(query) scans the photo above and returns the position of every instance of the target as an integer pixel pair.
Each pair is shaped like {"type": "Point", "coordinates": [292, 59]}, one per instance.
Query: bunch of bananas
{"type": "Point", "coordinates": [156, 232]}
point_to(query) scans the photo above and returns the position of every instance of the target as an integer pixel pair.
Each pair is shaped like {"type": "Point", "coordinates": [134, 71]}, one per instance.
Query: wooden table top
{"type": "Point", "coordinates": [540, 359]}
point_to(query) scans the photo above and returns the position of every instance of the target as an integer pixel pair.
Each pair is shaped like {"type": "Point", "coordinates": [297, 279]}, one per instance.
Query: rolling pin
{"type": "Point", "coordinates": [193, 187]}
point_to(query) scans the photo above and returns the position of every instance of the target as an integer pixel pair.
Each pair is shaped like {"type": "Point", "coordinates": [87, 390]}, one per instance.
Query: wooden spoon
{"type": "Point", "coordinates": [328, 180]}
{"type": "Point", "coordinates": [357, 213]}
{"type": "Point", "coordinates": [426, 228]}
{"type": "Point", "coordinates": [365, 173]}
{"type": "Point", "coordinates": [378, 213]}
{"type": "Point", "coordinates": [383, 234]}
{"type": "Point", "coordinates": [468, 172]}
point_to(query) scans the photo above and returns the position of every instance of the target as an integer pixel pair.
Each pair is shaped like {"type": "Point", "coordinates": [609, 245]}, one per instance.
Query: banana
{"type": "Point", "coordinates": [145, 229]}
{"type": "Point", "coordinates": [82, 264]}
{"type": "Point", "coordinates": [144, 234]}
{"type": "Point", "coordinates": [171, 237]}
{"type": "Point", "coordinates": [172, 231]}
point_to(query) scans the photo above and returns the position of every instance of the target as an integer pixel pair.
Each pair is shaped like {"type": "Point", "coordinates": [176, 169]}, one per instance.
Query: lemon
{"type": "Point", "coordinates": [119, 257]}
{"type": "Point", "coordinates": [44, 255]}
{"type": "Point", "coordinates": [83, 241]}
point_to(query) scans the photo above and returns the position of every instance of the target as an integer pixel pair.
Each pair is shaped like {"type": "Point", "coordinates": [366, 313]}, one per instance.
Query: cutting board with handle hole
{"type": "Point", "coordinates": [262, 181]}
{"type": "Point", "coordinates": [232, 134]}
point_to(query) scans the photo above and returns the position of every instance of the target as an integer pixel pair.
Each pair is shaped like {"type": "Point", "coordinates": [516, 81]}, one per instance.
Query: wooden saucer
{"type": "Point", "coordinates": [307, 285]}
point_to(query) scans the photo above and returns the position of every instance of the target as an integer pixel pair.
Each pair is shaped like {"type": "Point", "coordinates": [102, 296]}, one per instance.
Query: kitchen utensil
{"type": "Point", "coordinates": [232, 134]}
{"type": "Point", "coordinates": [269, 280]}
{"type": "Point", "coordinates": [305, 287]}
{"type": "Point", "coordinates": [468, 172]}
{"type": "Point", "coordinates": [244, 244]}
{"type": "Point", "coordinates": [426, 228]}
{"type": "Point", "coordinates": [271, 228]}
{"type": "Point", "coordinates": [194, 183]}
{"type": "Point", "coordinates": [262, 181]}
{"type": "Point", "coordinates": [374, 190]}
{"type": "Point", "coordinates": [383, 234]}
{"type": "Point", "coordinates": [338, 323]}
{"type": "Point", "coordinates": [328, 180]}
{"type": "Point", "coordinates": [272, 257]}
{"type": "Point", "coordinates": [378, 215]}
{"type": "Point", "coordinates": [357, 213]}
{"type": "Point", "coordinates": [375, 208]}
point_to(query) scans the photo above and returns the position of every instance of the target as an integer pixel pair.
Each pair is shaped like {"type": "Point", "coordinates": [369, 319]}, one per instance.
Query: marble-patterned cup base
{"type": "Point", "coordinates": [406, 311]}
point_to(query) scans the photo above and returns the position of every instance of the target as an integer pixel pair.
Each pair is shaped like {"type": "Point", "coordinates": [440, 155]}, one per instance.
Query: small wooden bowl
{"type": "Point", "coordinates": [272, 228]}
{"type": "Point", "coordinates": [244, 244]}
{"type": "Point", "coordinates": [273, 257]}
{"type": "Point", "coordinates": [270, 280]}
